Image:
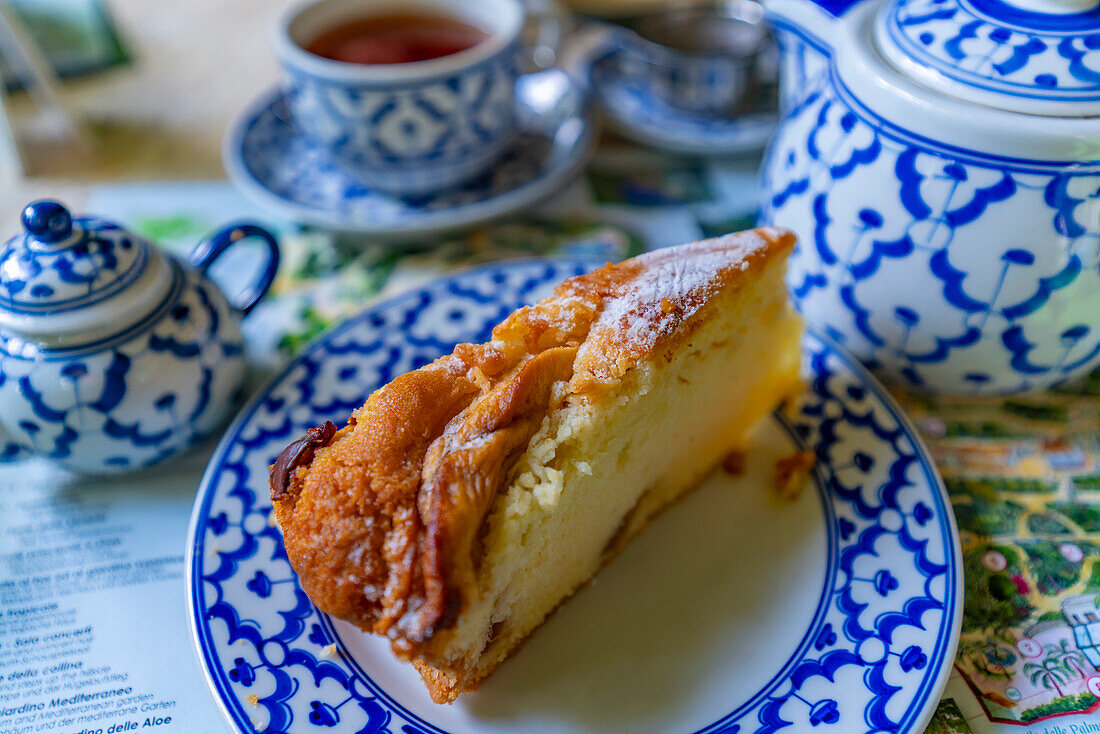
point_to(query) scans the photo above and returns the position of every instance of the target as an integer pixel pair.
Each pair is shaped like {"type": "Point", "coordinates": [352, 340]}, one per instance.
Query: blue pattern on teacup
{"type": "Point", "coordinates": [993, 46]}
{"type": "Point", "coordinates": [931, 276]}
{"type": "Point", "coordinates": [873, 658]}
{"type": "Point", "coordinates": [94, 408]}
{"type": "Point", "coordinates": [414, 137]}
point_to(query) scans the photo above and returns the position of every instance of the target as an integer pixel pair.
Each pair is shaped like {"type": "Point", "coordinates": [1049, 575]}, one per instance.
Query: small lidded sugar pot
{"type": "Point", "coordinates": [940, 162]}
{"type": "Point", "coordinates": [115, 355]}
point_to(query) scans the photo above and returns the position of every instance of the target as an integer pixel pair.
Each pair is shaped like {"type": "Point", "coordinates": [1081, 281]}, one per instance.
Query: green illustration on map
{"type": "Point", "coordinates": [1024, 482]}
{"type": "Point", "coordinates": [331, 279]}
{"type": "Point", "coordinates": [948, 720]}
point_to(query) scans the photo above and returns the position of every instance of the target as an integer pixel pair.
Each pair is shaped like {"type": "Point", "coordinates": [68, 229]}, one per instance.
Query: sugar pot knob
{"type": "Point", "coordinates": [115, 355]}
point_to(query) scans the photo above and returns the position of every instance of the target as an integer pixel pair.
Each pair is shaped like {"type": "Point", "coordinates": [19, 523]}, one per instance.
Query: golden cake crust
{"type": "Point", "coordinates": [382, 524]}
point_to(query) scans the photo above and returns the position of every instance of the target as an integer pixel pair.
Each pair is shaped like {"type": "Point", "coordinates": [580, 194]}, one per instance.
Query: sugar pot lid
{"type": "Point", "coordinates": [1032, 56]}
{"type": "Point", "coordinates": [66, 277]}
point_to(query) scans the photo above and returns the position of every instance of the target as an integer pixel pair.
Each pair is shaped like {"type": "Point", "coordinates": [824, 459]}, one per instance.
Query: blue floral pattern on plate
{"type": "Point", "coordinates": [875, 655]}
{"type": "Point", "coordinates": [276, 166]}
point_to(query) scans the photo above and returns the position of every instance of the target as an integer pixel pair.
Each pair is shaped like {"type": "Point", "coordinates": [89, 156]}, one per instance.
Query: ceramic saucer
{"type": "Point", "coordinates": [276, 167]}
{"type": "Point", "coordinates": [633, 111]}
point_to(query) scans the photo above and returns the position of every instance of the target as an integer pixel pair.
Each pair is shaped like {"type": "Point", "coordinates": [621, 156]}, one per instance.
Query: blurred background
{"type": "Point", "coordinates": [150, 86]}
{"type": "Point", "coordinates": [133, 123]}
{"type": "Point", "coordinates": [154, 85]}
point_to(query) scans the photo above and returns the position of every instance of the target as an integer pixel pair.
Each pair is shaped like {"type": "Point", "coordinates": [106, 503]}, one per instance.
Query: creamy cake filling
{"type": "Point", "coordinates": [467, 499]}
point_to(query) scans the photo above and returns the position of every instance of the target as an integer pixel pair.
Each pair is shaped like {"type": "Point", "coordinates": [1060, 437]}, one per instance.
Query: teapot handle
{"type": "Point", "coordinates": [207, 251]}
{"type": "Point", "coordinates": [817, 21]}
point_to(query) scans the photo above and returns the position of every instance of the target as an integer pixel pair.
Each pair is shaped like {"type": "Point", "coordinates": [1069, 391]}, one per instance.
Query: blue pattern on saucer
{"type": "Point", "coordinates": [874, 657]}
{"type": "Point", "coordinates": [274, 165]}
{"type": "Point", "coordinates": [635, 112]}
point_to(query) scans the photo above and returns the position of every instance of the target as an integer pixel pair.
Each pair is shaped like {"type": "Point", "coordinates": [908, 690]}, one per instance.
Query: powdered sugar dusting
{"type": "Point", "coordinates": [666, 288]}
{"type": "Point", "coordinates": [684, 276]}
{"type": "Point", "coordinates": [684, 282]}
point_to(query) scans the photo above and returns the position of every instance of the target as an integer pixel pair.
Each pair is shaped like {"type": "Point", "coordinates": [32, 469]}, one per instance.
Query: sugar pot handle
{"type": "Point", "coordinates": [210, 249]}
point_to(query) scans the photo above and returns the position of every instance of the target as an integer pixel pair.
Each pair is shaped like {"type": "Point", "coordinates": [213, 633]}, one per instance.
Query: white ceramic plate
{"type": "Point", "coordinates": [734, 612]}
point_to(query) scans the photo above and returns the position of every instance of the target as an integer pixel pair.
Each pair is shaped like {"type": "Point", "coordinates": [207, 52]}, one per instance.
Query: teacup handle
{"type": "Point", "coordinates": [587, 45]}
{"type": "Point", "coordinates": [547, 19]}
{"type": "Point", "coordinates": [210, 249]}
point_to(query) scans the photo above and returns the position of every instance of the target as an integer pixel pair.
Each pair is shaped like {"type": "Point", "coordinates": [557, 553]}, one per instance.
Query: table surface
{"type": "Point", "coordinates": [162, 115]}
{"type": "Point", "coordinates": [1011, 465]}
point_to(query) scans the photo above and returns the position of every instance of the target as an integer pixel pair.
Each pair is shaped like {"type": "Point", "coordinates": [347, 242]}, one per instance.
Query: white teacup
{"type": "Point", "coordinates": [697, 59]}
{"type": "Point", "coordinates": [407, 128]}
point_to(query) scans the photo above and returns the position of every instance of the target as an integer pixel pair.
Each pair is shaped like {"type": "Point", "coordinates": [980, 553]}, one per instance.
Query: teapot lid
{"type": "Point", "coordinates": [1033, 56]}
{"type": "Point", "coordinates": [65, 276]}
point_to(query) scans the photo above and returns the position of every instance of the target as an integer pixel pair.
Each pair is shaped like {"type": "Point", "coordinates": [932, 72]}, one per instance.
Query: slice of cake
{"type": "Point", "coordinates": [467, 499]}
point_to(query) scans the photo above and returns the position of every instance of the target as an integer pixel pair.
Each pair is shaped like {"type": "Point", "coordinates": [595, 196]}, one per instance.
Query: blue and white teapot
{"type": "Point", "coordinates": [940, 161]}
{"type": "Point", "coordinates": [113, 354]}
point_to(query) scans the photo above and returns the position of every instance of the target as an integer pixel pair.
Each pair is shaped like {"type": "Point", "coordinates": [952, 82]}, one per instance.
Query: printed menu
{"type": "Point", "coordinates": [94, 637]}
